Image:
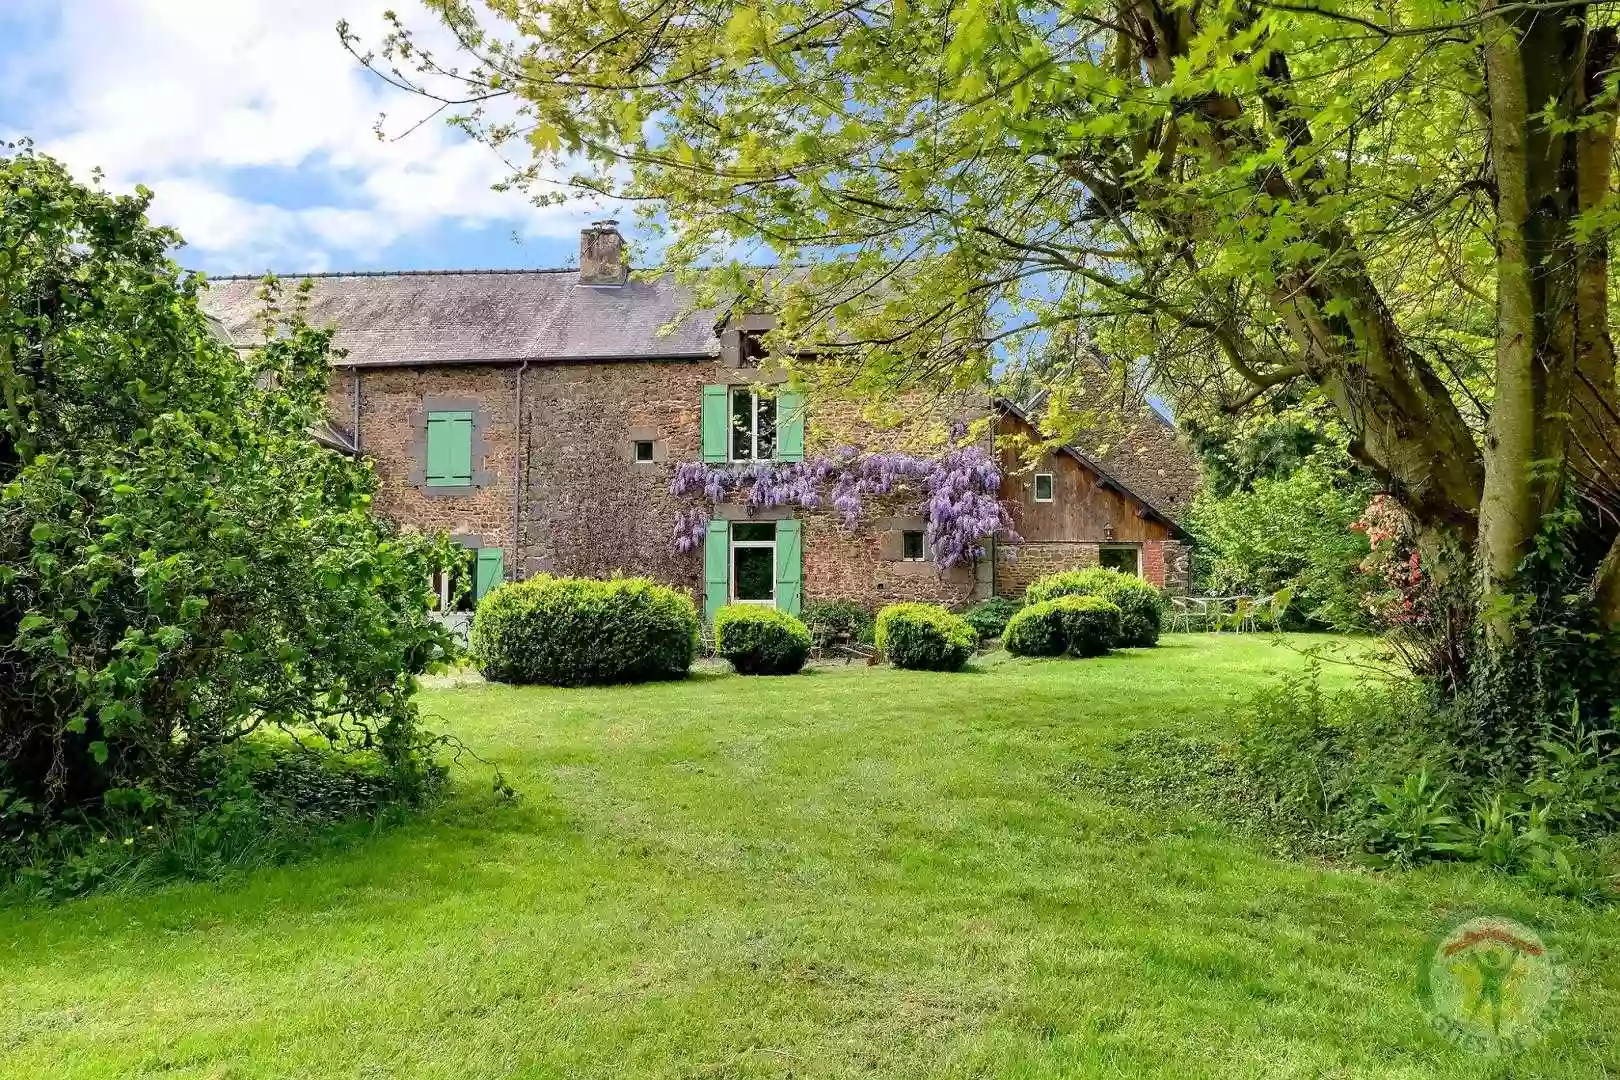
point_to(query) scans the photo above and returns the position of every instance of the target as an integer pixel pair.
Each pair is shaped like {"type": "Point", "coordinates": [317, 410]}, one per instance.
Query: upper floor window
{"type": "Point", "coordinates": [753, 426]}
{"type": "Point", "coordinates": [913, 545]}
{"type": "Point", "coordinates": [449, 449]}
{"type": "Point", "coordinates": [1043, 487]}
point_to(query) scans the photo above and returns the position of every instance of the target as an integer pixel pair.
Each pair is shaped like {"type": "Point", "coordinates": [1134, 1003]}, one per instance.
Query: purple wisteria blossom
{"type": "Point", "coordinates": [958, 490]}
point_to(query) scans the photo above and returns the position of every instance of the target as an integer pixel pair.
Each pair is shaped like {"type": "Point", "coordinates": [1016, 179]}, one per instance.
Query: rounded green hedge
{"type": "Point", "coordinates": [1141, 606]}
{"type": "Point", "coordinates": [989, 617]}
{"type": "Point", "coordinates": [761, 640]}
{"type": "Point", "coordinates": [583, 632]}
{"type": "Point", "coordinates": [924, 637]}
{"type": "Point", "coordinates": [1074, 625]}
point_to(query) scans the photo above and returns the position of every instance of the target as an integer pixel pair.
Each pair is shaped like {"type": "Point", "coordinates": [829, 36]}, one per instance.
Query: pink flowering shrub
{"type": "Point", "coordinates": [959, 491]}
{"type": "Point", "coordinates": [1400, 596]}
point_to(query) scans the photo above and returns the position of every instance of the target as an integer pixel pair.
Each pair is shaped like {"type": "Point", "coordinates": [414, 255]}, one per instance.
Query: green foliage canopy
{"type": "Point", "coordinates": [180, 563]}
{"type": "Point", "coordinates": [925, 637]}
{"type": "Point", "coordinates": [761, 640]}
{"type": "Point", "coordinates": [1292, 532]}
{"type": "Point", "coordinates": [1259, 198]}
{"type": "Point", "coordinates": [1070, 623]}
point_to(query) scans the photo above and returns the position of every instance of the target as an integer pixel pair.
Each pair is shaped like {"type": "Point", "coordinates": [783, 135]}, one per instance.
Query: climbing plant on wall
{"type": "Point", "coordinates": [958, 489]}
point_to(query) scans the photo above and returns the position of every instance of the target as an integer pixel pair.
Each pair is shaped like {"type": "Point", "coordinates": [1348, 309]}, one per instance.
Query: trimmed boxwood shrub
{"type": "Point", "coordinates": [1141, 605]}
{"type": "Point", "coordinates": [761, 640]}
{"type": "Point", "coordinates": [582, 632]}
{"type": "Point", "coordinates": [989, 618]}
{"type": "Point", "coordinates": [924, 637]}
{"type": "Point", "coordinates": [1076, 625]}
{"type": "Point", "coordinates": [834, 617]}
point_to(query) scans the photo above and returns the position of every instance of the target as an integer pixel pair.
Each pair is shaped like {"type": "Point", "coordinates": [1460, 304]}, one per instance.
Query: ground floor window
{"type": "Point", "coordinates": [753, 563]}
{"type": "Point", "coordinates": [476, 571]}
{"type": "Point", "coordinates": [456, 590]}
{"type": "Point", "coordinates": [913, 546]}
{"type": "Point", "coordinates": [1126, 558]}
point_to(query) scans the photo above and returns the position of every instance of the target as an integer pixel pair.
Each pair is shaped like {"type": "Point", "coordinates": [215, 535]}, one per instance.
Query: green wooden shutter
{"type": "Point", "coordinates": [790, 426]}
{"type": "Point", "coordinates": [491, 570]}
{"type": "Point", "coordinates": [789, 572]}
{"type": "Point", "coordinates": [716, 424]}
{"type": "Point", "coordinates": [449, 449]}
{"type": "Point", "coordinates": [716, 567]}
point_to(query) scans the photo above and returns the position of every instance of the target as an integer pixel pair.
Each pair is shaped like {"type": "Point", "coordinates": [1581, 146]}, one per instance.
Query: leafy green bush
{"type": "Point", "coordinates": [989, 617]}
{"type": "Point", "coordinates": [1037, 630]}
{"type": "Point", "coordinates": [761, 640]}
{"type": "Point", "coordinates": [581, 632]}
{"type": "Point", "coordinates": [831, 618]}
{"type": "Point", "coordinates": [262, 801]}
{"type": "Point", "coordinates": [1076, 625]}
{"type": "Point", "coordinates": [1325, 758]}
{"type": "Point", "coordinates": [1141, 606]}
{"type": "Point", "coordinates": [180, 563]}
{"type": "Point", "coordinates": [924, 637]}
{"type": "Point", "coordinates": [1292, 531]}
{"type": "Point", "coordinates": [1377, 774]}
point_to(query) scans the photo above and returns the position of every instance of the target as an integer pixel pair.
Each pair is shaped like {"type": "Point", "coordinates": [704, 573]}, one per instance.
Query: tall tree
{"type": "Point", "coordinates": [1404, 207]}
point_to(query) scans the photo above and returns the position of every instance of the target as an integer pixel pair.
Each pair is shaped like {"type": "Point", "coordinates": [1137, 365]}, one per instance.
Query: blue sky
{"type": "Point", "coordinates": [254, 128]}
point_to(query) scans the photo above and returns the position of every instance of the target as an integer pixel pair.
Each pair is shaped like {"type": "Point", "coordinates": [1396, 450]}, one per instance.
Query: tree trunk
{"type": "Point", "coordinates": [1402, 420]}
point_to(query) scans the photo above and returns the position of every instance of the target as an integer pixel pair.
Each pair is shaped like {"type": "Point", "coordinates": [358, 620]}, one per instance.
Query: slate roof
{"type": "Point", "coordinates": [483, 316]}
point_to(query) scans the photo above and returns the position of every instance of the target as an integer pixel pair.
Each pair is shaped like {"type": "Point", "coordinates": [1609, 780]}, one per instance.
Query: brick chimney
{"type": "Point", "coordinates": [601, 255]}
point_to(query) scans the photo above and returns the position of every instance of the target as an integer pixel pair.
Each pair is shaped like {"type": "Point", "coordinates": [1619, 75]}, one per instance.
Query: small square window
{"type": "Point", "coordinates": [1043, 487]}
{"type": "Point", "coordinates": [644, 450]}
{"type": "Point", "coordinates": [913, 547]}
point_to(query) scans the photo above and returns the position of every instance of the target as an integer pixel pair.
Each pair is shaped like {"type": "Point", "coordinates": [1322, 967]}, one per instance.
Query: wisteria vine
{"type": "Point", "coordinates": [960, 493]}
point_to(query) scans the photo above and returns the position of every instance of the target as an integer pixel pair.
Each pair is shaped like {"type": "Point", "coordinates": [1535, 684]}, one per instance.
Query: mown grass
{"type": "Point", "coordinates": [851, 873]}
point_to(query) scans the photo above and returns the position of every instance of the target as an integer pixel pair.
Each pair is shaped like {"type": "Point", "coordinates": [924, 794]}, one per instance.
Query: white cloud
{"type": "Point", "coordinates": [183, 94]}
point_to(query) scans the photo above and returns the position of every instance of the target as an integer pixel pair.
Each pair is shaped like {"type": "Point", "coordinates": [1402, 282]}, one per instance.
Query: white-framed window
{"type": "Point", "coordinates": [455, 590]}
{"type": "Point", "coordinates": [914, 545]}
{"type": "Point", "coordinates": [644, 450]}
{"type": "Point", "coordinates": [753, 562]}
{"type": "Point", "coordinates": [1126, 558]}
{"type": "Point", "coordinates": [1043, 487]}
{"type": "Point", "coordinates": [753, 426]}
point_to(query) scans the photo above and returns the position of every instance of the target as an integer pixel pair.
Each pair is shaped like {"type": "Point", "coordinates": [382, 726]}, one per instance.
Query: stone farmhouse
{"type": "Point", "coordinates": [538, 417]}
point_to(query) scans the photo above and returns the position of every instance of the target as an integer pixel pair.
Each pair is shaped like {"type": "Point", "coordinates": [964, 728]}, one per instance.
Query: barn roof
{"type": "Point", "coordinates": [1108, 477]}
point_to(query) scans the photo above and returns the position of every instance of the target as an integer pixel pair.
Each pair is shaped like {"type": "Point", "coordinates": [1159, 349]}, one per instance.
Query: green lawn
{"type": "Point", "coordinates": [860, 872]}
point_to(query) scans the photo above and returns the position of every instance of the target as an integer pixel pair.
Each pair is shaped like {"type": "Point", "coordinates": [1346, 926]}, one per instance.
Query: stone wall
{"type": "Point", "coordinates": [1027, 561]}
{"type": "Point", "coordinates": [861, 565]}
{"type": "Point", "coordinates": [392, 432]}
{"type": "Point", "coordinates": [589, 508]}
{"type": "Point", "coordinates": [1165, 563]}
